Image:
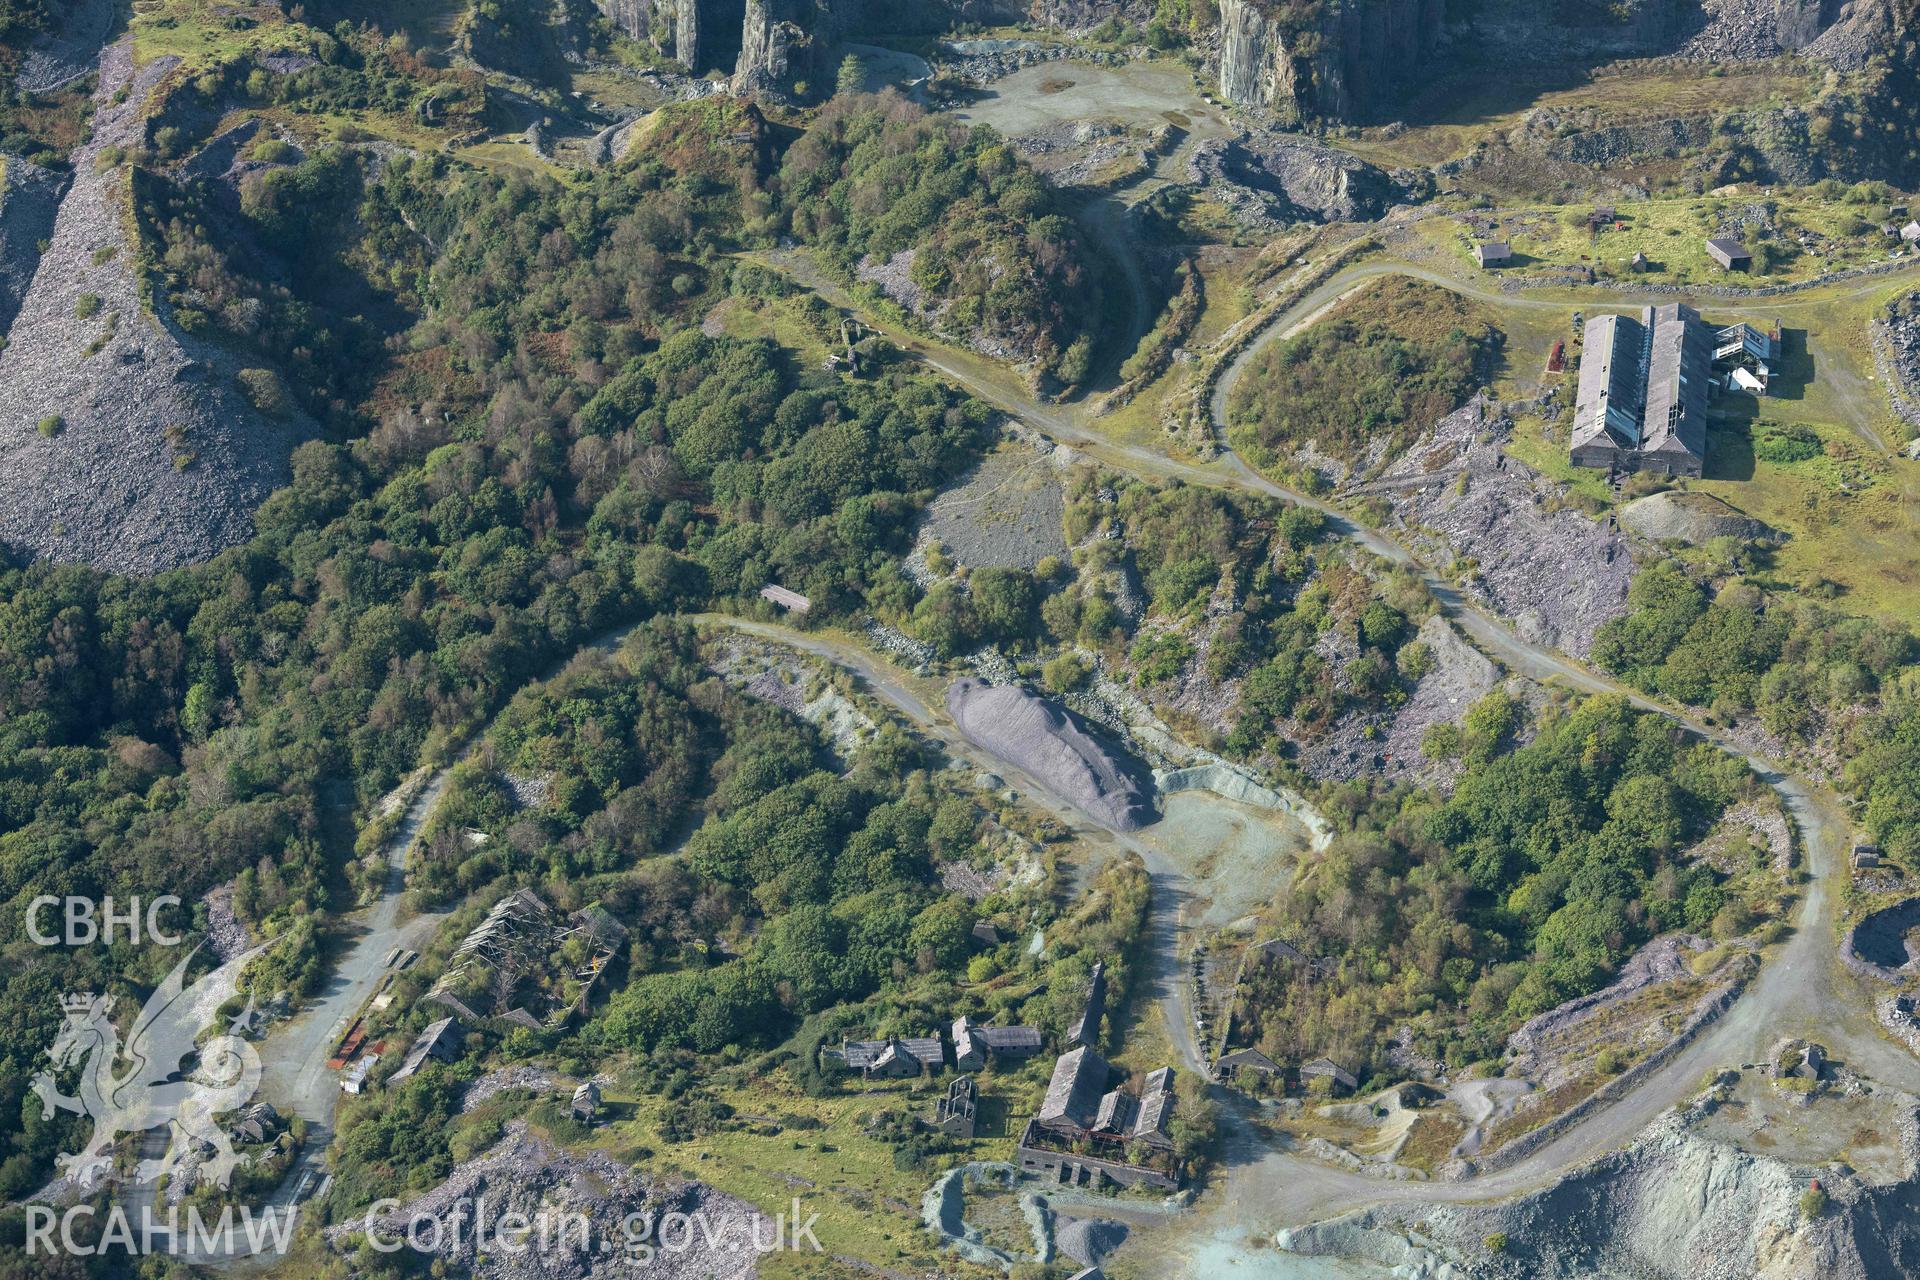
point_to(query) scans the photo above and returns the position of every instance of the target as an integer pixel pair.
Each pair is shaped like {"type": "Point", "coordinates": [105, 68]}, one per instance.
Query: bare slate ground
{"type": "Point", "coordinates": [29, 199]}
{"type": "Point", "coordinates": [1036, 736]}
{"type": "Point", "coordinates": [64, 56]}
{"type": "Point", "coordinates": [156, 459]}
{"type": "Point", "coordinates": [1558, 574]}
{"type": "Point", "coordinates": [1387, 744]}
{"type": "Point", "coordinates": [1539, 1049]}
{"type": "Point", "coordinates": [1008, 514]}
{"type": "Point", "coordinates": [528, 1175]}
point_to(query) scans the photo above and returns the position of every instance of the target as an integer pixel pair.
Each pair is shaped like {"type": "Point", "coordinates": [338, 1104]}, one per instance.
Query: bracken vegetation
{"type": "Point", "coordinates": [1382, 366]}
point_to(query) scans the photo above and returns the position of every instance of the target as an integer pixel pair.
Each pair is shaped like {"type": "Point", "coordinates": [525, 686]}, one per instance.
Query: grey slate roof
{"type": "Point", "coordinates": [1331, 1069]}
{"type": "Point", "coordinates": [440, 1040]}
{"type": "Point", "coordinates": [1156, 1108]}
{"type": "Point", "coordinates": [1251, 1058]}
{"type": "Point", "coordinates": [1151, 1126]}
{"type": "Point", "coordinates": [926, 1050]}
{"type": "Point", "coordinates": [1074, 1093]}
{"type": "Point", "coordinates": [861, 1053]}
{"type": "Point", "coordinates": [1010, 1039]}
{"type": "Point", "coordinates": [1679, 376]}
{"type": "Point", "coordinates": [1116, 1113]}
{"type": "Point", "coordinates": [1644, 386]}
{"type": "Point", "coordinates": [1607, 404]}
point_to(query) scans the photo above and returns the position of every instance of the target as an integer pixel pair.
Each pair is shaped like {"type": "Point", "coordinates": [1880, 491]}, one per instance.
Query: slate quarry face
{"type": "Point", "coordinates": [1049, 743]}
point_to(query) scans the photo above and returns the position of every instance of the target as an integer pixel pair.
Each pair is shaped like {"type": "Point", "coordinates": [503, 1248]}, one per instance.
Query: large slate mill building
{"type": "Point", "coordinates": [1645, 384]}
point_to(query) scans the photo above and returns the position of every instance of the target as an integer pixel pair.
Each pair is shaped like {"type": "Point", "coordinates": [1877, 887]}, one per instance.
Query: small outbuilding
{"type": "Point", "coordinates": [440, 1041]}
{"type": "Point", "coordinates": [586, 1102]}
{"type": "Point", "coordinates": [356, 1078]}
{"type": "Point", "coordinates": [1729, 253]}
{"type": "Point", "coordinates": [791, 601]}
{"type": "Point", "coordinates": [974, 1046]}
{"type": "Point", "coordinates": [1493, 253]}
{"type": "Point", "coordinates": [1251, 1060]}
{"type": "Point", "coordinates": [1338, 1078]}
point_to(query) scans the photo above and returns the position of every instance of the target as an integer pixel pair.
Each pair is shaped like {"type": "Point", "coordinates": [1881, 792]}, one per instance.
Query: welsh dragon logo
{"type": "Point", "coordinates": [147, 1082]}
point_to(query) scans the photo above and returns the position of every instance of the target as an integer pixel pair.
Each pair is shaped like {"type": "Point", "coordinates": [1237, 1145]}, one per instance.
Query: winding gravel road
{"type": "Point", "coordinates": [1803, 988]}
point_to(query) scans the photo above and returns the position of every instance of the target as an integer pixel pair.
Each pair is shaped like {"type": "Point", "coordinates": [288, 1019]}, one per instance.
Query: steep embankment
{"type": "Point", "coordinates": [29, 199]}
{"type": "Point", "coordinates": [1678, 1204]}
{"type": "Point", "coordinates": [123, 443]}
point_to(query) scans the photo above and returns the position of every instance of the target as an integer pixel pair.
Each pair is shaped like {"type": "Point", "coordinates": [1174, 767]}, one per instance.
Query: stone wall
{"type": "Point", "coordinates": [1708, 1011]}
{"type": "Point", "coordinates": [1070, 1169]}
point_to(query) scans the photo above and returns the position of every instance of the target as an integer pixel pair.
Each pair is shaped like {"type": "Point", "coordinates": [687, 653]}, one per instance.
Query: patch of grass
{"type": "Point", "coordinates": [105, 335]}
{"type": "Point", "coordinates": [1432, 1140]}
{"type": "Point", "coordinates": [1802, 236]}
{"type": "Point", "coordinates": [86, 306]}
{"type": "Point", "coordinates": [52, 425]}
{"type": "Point", "coordinates": [1784, 442]}
{"type": "Point", "coordinates": [815, 1149]}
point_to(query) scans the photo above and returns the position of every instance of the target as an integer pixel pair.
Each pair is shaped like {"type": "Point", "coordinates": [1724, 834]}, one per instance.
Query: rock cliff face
{"type": "Point", "coordinates": [671, 26]}
{"type": "Point", "coordinates": [632, 18]}
{"type": "Point", "coordinates": [1360, 59]}
{"type": "Point", "coordinates": [781, 41]}
{"type": "Point", "coordinates": [686, 32]}
{"type": "Point", "coordinates": [1245, 54]}
{"type": "Point", "coordinates": [1329, 61]}
{"type": "Point", "coordinates": [774, 48]}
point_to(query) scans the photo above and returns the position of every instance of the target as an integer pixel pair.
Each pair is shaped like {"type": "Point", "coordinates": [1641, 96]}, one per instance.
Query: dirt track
{"type": "Point", "coordinates": [1802, 988]}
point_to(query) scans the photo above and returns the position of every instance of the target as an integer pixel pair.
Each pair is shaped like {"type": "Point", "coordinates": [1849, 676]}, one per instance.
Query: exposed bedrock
{"type": "Point", "coordinates": [1295, 179]}
{"type": "Point", "coordinates": [1332, 62]}
{"type": "Point", "coordinates": [1361, 59]}
{"type": "Point", "coordinates": [1677, 1205]}
{"type": "Point", "coordinates": [1052, 745]}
